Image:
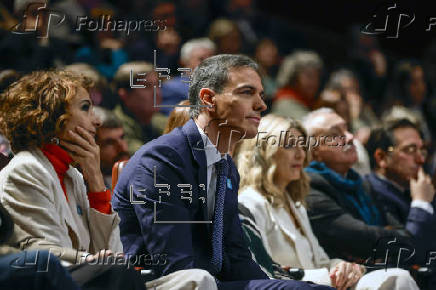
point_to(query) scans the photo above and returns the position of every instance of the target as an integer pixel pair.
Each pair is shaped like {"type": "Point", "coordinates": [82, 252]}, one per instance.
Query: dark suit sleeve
{"type": "Point", "coordinates": [172, 240]}
{"type": "Point", "coordinates": [339, 231]}
{"type": "Point", "coordinates": [419, 222]}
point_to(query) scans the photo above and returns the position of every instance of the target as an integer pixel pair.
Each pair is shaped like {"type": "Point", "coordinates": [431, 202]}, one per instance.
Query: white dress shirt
{"type": "Point", "coordinates": [212, 157]}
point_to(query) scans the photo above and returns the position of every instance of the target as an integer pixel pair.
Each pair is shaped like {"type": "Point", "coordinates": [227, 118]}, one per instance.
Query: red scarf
{"type": "Point", "coordinates": [289, 93]}
{"type": "Point", "coordinates": [61, 160]}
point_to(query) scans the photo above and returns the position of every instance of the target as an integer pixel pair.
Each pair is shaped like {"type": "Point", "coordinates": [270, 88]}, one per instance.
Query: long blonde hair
{"type": "Point", "coordinates": [256, 165]}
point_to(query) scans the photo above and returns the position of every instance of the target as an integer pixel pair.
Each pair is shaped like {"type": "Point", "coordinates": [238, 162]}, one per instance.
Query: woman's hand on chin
{"type": "Point", "coordinates": [83, 150]}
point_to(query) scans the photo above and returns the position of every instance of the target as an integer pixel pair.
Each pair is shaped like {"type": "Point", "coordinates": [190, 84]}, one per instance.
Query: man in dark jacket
{"type": "Point", "coordinates": [342, 213]}
{"type": "Point", "coordinates": [398, 182]}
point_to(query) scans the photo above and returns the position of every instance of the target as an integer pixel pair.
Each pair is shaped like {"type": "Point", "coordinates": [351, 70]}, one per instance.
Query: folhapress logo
{"type": "Point", "coordinates": [38, 19]}
{"type": "Point", "coordinates": [388, 21]}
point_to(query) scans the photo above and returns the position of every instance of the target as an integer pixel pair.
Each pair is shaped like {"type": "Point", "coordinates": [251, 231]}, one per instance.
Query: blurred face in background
{"type": "Point", "coordinates": [198, 54]}
{"type": "Point", "coordinates": [289, 161]}
{"type": "Point", "coordinates": [113, 147]}
{"type": "Point", "coordinates": [266, 54]}
{"type": "Point", "coordinates": [230, 43]}
{"type": "Point", "coordinates": [307, 82]}
{"type": "Point", "coordinates": [140, 101]}
{"type": "Point", "coordinates": [417, 86]}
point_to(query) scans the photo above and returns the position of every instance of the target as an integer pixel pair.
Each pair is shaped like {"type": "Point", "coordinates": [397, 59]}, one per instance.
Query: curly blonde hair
{"type": "Point", "coordinates": [33, 109]}
{"type": "Point", "coordinates": [256, 163]}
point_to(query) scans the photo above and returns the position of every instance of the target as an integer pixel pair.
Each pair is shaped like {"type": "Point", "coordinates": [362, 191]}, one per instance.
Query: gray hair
{"type": "Point", "coordinates": [295, 63]}
{"type": "Point", "coordinates": [337, 76]}
{"type": "Point", "coordinates": [311, 121]}
{"type": "Point", "coordinates": [212, 73]}
{"type": "Point", "coordinates": [189, 46]}
{"type": "Point", "coordinates": [108, 118]}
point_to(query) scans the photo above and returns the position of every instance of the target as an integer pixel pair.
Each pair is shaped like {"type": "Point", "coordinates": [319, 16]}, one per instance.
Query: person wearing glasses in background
{"type": "Point", "coordinates": [398, 182]}
{"type": "Point", "coordinates": [399, 185]}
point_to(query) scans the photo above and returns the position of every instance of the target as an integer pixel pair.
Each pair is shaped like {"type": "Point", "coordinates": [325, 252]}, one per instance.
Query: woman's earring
{"type": "Point", "coordinates": [55, 140]}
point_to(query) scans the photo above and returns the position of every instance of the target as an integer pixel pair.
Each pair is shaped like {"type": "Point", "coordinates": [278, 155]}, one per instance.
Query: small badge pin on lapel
{"type": "Point", "coordinates": [229, 183]}
{"type": "Point", "coordinates": [79, 210]}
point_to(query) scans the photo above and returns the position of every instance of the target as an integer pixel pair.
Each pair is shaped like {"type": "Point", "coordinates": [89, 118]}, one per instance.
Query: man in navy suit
{"type": "Point", "coordinates": [176, 204]}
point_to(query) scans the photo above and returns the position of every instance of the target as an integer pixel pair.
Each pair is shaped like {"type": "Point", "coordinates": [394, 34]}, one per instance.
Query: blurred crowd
{"type": "Point", "coordinates": [366, 87]}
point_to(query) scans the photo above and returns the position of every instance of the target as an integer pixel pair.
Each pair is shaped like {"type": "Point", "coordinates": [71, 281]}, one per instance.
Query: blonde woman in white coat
{"type": "Point", "coordinates": [48, 118]}
{"type": "Point", "coordinates": [273, 187]}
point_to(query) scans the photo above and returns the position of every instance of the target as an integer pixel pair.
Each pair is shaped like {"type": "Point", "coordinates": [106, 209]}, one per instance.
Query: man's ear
{"type": "Point", "coordinates": [207, 97]}
{"type": "Point", "coordinates": [380, 158]}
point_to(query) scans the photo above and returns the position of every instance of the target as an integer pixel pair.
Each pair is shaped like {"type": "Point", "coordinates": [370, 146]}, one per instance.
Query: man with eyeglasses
{"type": "Point", "coordinates": [398, 182]}
{"type": "Point", "coordinates": [344, 217]}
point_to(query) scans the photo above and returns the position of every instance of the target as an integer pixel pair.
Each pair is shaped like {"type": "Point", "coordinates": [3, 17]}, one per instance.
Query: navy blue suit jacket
{"type": "Point", "coordinates": [179, 160]}
{"type": "Point", "coordinates": [395, 204]}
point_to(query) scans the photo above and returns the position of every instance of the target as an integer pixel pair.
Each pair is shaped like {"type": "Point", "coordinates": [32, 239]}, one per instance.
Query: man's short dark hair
{"type": "Point", "coordinates": [108, 118]}
{"type": "Point", "coordinates": [383, 137]}
{"type": "Point", "coordinates": [212, 73]}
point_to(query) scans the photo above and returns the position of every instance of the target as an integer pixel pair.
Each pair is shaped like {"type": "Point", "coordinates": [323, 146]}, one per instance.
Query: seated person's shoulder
{"type": "Point", "coordinates": [253, 200]}
{"type": "Point", "coordinates": [251, 196]}
{"type": "Point", "coordinates": [25, 162]}
{"type": "Point", "coordinates": [166, 154]}
{"type": "Point", "coordinates": [172, 146]}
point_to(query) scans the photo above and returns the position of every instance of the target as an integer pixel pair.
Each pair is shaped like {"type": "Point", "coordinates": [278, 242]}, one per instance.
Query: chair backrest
{"type": "Point", "coordinates": [116, 171]}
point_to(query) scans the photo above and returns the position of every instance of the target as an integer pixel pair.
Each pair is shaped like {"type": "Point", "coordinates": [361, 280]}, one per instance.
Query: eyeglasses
{"type": "Point", "coordinates": [411, 150]}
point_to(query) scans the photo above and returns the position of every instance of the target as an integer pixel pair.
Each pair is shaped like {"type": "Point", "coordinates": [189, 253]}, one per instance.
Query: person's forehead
{"type": "Point", "coordinates": [329, 121]}
{"type": "Point", "coordinates": [81, 95]}
{"type": "Point", "coordinates": [407, 136]}
{"type": "Point", "coordinates": [110, 132]}
{"type": "Point", "coordinates": [239, 76]}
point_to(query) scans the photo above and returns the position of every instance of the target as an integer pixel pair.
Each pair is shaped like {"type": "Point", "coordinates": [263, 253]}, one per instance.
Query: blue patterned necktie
{"type": "Point", "coordinates": [218, 220]}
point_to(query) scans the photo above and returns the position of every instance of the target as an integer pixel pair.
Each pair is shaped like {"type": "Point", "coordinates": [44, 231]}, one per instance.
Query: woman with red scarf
{"type": "Point", "coordinates": [53, 187]}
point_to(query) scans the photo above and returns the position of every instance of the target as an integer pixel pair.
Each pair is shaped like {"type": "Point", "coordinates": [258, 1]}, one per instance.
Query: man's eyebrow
{"type": "Point", "coordinates": [248, 86]}
{"type": "Point", "coordinates": [245, 86]}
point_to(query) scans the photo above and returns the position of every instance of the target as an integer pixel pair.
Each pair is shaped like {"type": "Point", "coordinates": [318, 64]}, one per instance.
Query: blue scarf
{"type": "Point", "coordinates": [354, 192]}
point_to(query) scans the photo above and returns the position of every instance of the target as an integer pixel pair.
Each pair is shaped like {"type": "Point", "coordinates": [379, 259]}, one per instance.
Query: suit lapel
{"type": "Point", "coordinates": [283, 221]}
{"type": "Point", "coordinates": [197, 148]}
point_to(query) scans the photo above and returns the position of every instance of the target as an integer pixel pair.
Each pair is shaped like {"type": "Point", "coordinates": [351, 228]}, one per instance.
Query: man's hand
{"type": "Point", "coordinates": [422, 187]}
{"type": "Point", "coordinates": [345, 275]}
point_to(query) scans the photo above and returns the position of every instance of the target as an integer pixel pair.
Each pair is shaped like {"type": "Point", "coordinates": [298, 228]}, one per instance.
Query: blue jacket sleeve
{"type": "Point", "coordinates": [143, 203]}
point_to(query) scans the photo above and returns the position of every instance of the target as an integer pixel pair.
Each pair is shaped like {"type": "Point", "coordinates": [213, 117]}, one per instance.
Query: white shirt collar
{"type": "Point", "coordinates": [212, 153]}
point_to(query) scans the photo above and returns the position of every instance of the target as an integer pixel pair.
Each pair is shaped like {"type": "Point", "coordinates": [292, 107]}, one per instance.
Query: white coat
{"type": "Point", "coordinates": [31, 192]}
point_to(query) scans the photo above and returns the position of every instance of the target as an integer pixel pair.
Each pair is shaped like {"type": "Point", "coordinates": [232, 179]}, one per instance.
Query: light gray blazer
{"type": "Point", "coordinates": [31, 192]}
